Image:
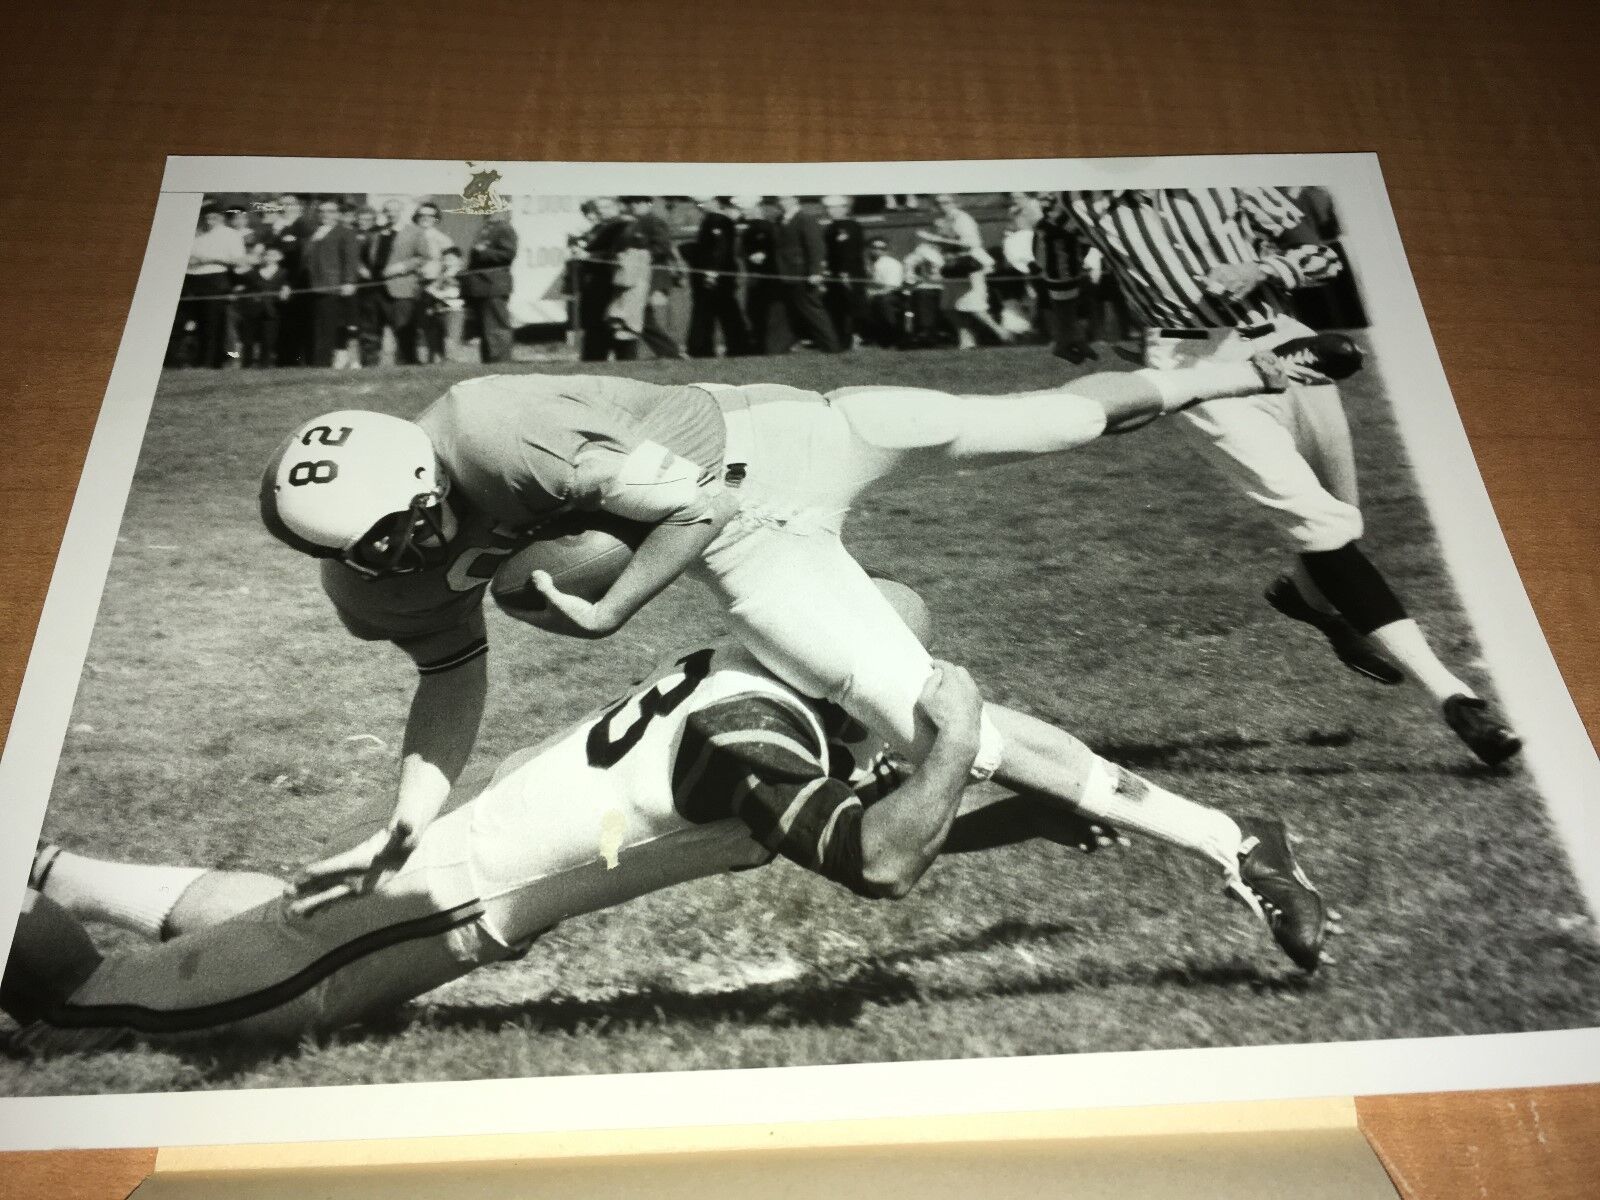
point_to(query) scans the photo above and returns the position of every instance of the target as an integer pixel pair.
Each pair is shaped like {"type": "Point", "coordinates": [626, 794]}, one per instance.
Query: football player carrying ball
{"type": "Point", "coordinates": [747, 486]}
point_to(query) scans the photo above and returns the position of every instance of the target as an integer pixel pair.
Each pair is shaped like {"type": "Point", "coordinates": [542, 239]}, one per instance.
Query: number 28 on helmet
{"type": "Point", "coordinates": [362, 487]}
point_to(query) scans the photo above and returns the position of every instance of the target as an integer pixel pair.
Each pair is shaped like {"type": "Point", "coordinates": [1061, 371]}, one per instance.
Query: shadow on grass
{"type": "Point", "coordinates": [1221, 753]}
{"type": "Point", "coordinates": [827, 995]}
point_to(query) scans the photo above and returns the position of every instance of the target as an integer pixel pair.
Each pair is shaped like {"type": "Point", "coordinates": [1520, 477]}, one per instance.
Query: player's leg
{"type": "Point", "coordinates": [1051, 764]}
{"type": "Point", "coordinates": [51, 956]}
{"type": "Point", "coordinates": [1322, 434]}
{"type": "Point", "coordinates": [1338, 577]}
{"type": "Point", "coordinates": [807, 610]}
{"type": "Point", "coordinates": [164, 900]}
{"type": "Point", "coordinates": [154, 900]}
{"type": "Point", "coordinates": [814, 618]}
{"type": "Point", "coordinates": [266, 973]}
{"type": "Point", "coordinates": [1258, 867]}
{"type": "Point", "coordinates": [925, 429]}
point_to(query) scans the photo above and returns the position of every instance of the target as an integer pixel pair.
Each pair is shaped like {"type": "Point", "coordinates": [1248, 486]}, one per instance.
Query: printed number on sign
{"type": "Point", "coordinates": [321, 471]}
{"type": "Point", "coordinates": [607, 751]}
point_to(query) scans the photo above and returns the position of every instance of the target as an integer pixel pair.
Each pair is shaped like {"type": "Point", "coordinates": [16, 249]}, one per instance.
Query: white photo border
{"type": "Point", "coordinates": [1560, 756]}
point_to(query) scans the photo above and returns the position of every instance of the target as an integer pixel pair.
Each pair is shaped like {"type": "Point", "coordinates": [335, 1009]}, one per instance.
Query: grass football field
{"type": "Point", "coordinates": [225, 718]}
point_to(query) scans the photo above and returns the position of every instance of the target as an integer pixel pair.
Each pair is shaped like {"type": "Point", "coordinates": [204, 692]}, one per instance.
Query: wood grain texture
{"type": "Point", "coordinates": [1483, 114]}
{"type": "Point", "coordinates": [74, 1174]}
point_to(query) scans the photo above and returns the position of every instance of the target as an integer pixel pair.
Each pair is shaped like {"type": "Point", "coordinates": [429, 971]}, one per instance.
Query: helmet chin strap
{"type": "Point", "coordinates": [448, 521]}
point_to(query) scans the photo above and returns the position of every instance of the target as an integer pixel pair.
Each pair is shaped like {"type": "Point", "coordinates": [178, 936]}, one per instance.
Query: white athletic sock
{"type": "Point", "coordinates": [1204, 381]}
{"type": "Point", "coordinates": [132, 896]}
{"type": "Point", "coordinates": [1132, 802]}
{"type": "Point", "coordinates": [1405, 642]}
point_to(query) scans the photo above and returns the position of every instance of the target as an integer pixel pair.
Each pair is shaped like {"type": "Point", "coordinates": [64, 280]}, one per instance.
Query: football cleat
{"type": "Point", "coordinates": [1475, 723]}
{"type": "Point", "coordinates": [1270, 883]}
{"type": "Point", "coordinates": [51, 956]}
{"type": "Point", "coordinates": [1354, 651]}
{"type": "Point", "coordinates": [1307, 362]}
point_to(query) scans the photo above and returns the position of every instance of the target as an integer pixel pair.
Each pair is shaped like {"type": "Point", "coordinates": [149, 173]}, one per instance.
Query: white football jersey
{"type": "Point", "coordinates": [596, 815]}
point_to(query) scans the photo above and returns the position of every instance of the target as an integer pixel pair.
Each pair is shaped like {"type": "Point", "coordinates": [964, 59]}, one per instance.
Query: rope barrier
{"type": "Point", "coordinates": [326, 289]}
{"type": "Point", "coordinates": [822, 277]}
{"type": "Point", "coordinates": [338, 288]}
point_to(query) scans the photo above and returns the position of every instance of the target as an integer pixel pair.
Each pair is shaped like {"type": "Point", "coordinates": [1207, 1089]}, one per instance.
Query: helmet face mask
{"type": "Point", "coordinates": [402, 543]}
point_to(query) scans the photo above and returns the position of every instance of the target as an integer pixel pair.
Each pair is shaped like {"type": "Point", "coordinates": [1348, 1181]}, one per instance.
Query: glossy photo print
{"type": "Point", "coordinates": [551, 646]}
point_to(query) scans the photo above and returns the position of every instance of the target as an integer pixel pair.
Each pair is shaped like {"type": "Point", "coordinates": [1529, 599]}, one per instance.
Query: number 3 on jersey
{"type": "Point", "coordinates": [606, 749]}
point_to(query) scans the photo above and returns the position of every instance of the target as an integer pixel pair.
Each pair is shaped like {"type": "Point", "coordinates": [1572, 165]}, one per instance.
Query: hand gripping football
{"type": "Point", "coordinates": [583, 552]}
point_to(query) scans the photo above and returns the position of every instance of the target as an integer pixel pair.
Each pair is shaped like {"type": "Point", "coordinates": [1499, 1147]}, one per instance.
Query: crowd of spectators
{"type": "Point", "coordinates": [273, 285]}
{"type": "Point", "coordinates": [765, 274]}
{"type": "Point", "coordinates": [345, 285]}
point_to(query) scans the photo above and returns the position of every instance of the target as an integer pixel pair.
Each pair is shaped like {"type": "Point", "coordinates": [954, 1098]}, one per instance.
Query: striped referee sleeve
{"type": "Point", "coordinates": [1271, 213]}
{"type": "Point", "coordinates": [1303, 266]}
{"type": "Point", "coordinates": [757, 759]}
{"type": "Point", "coordinates": [1269, 210]}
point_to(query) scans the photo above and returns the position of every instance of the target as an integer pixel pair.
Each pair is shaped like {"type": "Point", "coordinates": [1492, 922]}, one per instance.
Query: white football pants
{"type": "Point", "coordinates": [1289, 452]}
{"type": "Point", "coordinates": [795, 596]}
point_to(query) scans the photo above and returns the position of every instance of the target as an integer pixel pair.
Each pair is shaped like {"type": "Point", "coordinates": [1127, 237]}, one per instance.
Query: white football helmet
{"type": "Point", "coordinates": [363, 487]}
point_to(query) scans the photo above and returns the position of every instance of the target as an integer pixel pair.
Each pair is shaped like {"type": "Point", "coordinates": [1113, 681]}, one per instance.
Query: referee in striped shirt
{"type": "Point", "coordinates": [1208, 273]}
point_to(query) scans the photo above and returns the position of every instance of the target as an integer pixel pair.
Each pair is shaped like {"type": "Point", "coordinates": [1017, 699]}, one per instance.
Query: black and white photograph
{"type": "Point", "coordinates": [552, 632]}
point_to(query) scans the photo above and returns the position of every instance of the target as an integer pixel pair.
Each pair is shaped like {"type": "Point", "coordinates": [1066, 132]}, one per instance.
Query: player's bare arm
{"type": "Point", "coordinates": [904, 832]}
{"type": "Point", "coordinates": [683, 504]}
{"type": "Point", "coordinates": [441, 730]}
{"type": "Point", "coordinates": [666, 553]}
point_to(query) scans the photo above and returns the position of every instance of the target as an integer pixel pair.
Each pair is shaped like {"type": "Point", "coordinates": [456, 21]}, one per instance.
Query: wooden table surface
{"type": "Point", "coordinates": [1484, 116]}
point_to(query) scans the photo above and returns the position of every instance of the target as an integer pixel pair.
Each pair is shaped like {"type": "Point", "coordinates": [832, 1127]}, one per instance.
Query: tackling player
{"type": "Point", "coordinates": [1208, 272]}
{"type": "Point", "coordinates": [747, 485]}
{"type": "Point", "coordinates": [708, 766]}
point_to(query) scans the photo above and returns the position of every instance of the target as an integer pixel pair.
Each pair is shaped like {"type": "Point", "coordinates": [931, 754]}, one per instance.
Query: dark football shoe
{"type": "Point", "coordinates": [1271, 884]}
{"type": "Point", "coordinates": [1353, 650]}
{"type": "Point", "coordinates": [1476, 724]}
{"type": "Point", "coordinates": [1307, 362]}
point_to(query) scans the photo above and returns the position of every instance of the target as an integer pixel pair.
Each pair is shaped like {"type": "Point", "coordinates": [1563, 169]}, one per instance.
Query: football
{"type": "Point", "coordinates": [584, 553]}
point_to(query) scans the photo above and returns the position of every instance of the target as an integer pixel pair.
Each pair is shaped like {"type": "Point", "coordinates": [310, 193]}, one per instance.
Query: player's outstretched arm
{"type": "Point", "coordinates": [903, 833]}
{"type": "Point", "coordinates": [441, 730]}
